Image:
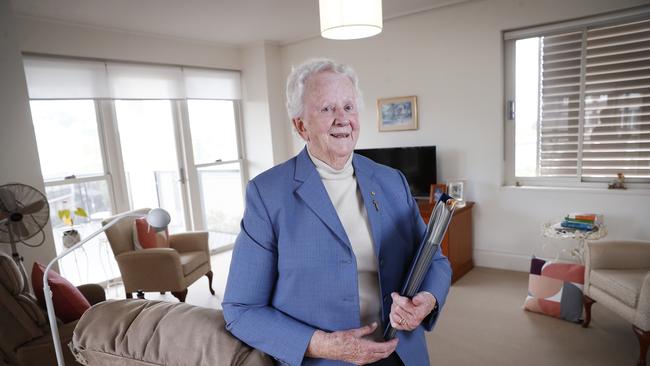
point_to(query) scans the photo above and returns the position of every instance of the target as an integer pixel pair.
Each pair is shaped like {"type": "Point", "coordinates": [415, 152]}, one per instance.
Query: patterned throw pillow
{"type": "Point", "coordinates": [555, 289]}
{"type": "Point", "coordinates": [145, 237]}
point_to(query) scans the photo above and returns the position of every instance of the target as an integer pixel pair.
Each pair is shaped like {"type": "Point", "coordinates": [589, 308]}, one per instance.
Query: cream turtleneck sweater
{"type": "Point", "coordinates": [341, 186]}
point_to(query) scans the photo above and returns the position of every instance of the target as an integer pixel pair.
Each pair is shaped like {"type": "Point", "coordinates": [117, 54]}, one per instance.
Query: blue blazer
{"type": "Point", "coordinates": [293, 269]}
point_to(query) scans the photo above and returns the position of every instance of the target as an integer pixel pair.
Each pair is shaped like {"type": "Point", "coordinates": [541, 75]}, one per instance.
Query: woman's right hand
{"type": "Point", "coordinates": [349, 346]}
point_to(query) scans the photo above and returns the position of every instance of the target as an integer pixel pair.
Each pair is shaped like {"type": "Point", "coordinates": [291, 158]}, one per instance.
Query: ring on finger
{"type": "Point", "coordinates": [401, 322]}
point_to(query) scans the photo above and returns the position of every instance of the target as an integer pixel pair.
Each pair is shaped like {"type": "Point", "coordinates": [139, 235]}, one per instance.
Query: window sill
{"type": "Point", "coordinates": [586, 190]}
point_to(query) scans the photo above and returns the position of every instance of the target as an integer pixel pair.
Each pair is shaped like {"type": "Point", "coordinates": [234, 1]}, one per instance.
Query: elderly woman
{"type": "Point", "coordinates": [325, 243]}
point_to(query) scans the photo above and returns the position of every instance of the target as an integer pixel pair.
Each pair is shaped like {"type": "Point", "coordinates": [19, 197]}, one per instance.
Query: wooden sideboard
{"type": "Point", "coordinates": [457, 244]}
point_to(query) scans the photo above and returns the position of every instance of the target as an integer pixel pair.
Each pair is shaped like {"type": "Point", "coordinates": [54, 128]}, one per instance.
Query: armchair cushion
{"type": "Point", "coordinates": [69, 302]}
{"type": "Point", "coordinates": [156, 269]}
{"type": "Point", "coordinates": [190, 241]}
{"type": "Point", "coordinates": [144, 237]}
{"type": "Point", "coordinates": [192, 260]}
{"type": "Point", "coordinates": [623, 284]}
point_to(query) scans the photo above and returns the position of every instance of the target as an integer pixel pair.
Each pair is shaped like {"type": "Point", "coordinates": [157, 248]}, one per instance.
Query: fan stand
{"type": "Point", "coordinates": [18, 259]}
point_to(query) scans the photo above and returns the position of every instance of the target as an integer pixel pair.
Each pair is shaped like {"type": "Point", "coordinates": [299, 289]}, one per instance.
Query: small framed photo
{"type": "Point", "coordinates": [433, 191]}
{"type": "Point", "coordinates": [456, 189]}
{"type": "Point", "coordinates": [397, 114]}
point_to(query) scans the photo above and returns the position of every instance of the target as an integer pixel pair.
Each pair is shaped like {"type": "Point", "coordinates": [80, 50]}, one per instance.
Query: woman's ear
{"type": "Point", "coordinates": [299, 125]}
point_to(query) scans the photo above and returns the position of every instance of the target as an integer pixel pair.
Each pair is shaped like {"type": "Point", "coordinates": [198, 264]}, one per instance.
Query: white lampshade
{"type": "Point", "coordinates": [158, 219]}
{"type": "Point", "coordinates": [350, 19]}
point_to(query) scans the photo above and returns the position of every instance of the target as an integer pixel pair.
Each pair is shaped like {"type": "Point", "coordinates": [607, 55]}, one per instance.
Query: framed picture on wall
{"type": "Point", "coordinates": [397, 114]}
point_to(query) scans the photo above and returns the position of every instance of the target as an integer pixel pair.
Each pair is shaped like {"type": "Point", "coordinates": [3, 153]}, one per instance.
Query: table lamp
{"type": "Point", "coordinates": [158, 219]}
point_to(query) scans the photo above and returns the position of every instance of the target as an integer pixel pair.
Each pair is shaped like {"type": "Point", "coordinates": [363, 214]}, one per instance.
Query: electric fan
{"type": "Point", "coordinates": [24, 211]}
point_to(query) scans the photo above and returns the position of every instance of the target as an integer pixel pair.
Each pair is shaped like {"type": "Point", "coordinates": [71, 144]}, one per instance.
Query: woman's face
{"type": "Point", "coordinates": [330, 121]}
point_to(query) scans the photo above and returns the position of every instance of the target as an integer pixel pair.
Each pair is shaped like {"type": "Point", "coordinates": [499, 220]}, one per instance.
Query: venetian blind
{"type": "Point", "coordinates": [595, 102]}
{"type": "Point", "coordinates": [616, 132]}
{"type": "Point", "coordinates": [560, 104]}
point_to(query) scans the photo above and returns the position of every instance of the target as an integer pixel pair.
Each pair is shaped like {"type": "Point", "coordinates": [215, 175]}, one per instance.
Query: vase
{"type": "Point", "coordinates": [70, 238]}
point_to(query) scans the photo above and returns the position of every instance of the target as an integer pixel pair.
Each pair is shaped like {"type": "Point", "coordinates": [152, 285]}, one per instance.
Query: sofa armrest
{"type": "Point", "coordinates": [159, 333]}
{"type": "Point", "coordinates": [617, 255]}
{"type": "Point", "coordinates": [93, 293]}
{"type": "Point", "coordinates": [190, 241]}
{"type": "Point", "coordinates": [642, 317]}
{"type": "Point", "coordinates": [156, 269]}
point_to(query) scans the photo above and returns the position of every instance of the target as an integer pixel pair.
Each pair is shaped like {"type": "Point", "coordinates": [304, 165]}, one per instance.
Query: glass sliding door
{"type": "Point", "coordinates": [72, 162]}
{"type": "Point", "coordinates": [217, 158]}
{"type": "Point", "coordinates": [150, 156]}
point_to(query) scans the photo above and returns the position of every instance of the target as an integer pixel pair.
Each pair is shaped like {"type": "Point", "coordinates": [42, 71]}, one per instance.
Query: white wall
{"type": "Point", "coordinates": [258, 143]}
{"type": "Point", "coordinates": [48, 37]}
{"type": "Point", "coordinates": [19, 161]}
{"type": "Point", "coordinates": [451, 58]}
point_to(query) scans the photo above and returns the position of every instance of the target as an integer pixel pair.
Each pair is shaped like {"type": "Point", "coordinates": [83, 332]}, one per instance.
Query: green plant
{"type": "Point", "coordinates": [68, 216]}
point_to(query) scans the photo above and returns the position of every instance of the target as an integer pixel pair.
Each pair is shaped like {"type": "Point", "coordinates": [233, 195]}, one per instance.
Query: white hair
{"type": "Point", "coordinates": [299, 75]}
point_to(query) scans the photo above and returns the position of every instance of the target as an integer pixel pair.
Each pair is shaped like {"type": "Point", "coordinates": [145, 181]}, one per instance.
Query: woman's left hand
{"type": "Point", "coordinates": [407, 314]}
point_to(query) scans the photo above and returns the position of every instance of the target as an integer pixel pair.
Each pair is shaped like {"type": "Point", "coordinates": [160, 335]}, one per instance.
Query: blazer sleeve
{"type": "Point", "coordinates": [253, 273]}
{"type": "Point", "coordinates": [438, 278]}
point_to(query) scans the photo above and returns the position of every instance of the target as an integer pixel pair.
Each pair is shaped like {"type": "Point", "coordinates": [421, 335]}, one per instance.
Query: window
{"type": "Point", "coordinates": [578, 102]}
{"type": "Point", "coordinates": [150, 156]}
{"type": "Point", "coordinates": [72, 163]}
{"type": "Point", "coordinates": [118, 136]}
{"type": "Point", "coordinates": [213, 128]}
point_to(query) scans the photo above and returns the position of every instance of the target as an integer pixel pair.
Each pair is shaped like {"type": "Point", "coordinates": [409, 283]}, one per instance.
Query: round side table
{"type": "Point", "coordinates": [554, 230]}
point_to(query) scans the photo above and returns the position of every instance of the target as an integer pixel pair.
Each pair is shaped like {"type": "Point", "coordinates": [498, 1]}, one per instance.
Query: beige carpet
{"type": "Point", "coordinates": [483, 324]}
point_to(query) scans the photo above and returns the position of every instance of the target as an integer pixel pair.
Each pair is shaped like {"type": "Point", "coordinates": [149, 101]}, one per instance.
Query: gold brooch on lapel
{"type": "Point", "coordinates": [374, 201]}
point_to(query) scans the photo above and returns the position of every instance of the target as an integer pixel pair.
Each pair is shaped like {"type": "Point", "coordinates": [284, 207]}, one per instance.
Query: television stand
{"type": "Point", "coordinates": [457, 243]}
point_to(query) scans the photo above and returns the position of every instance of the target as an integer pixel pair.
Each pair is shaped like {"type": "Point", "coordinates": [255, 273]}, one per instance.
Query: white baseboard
{"type": "Point", "coordinates": [501, 260]}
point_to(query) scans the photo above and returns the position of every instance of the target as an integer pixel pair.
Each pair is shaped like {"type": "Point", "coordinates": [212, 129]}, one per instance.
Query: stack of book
{"type": "Point", "coordinates": [582, 221]}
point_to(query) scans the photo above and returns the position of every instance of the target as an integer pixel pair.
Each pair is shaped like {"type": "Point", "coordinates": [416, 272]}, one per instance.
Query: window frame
{"type": "Point", "coordinates": [509, 39]}
{"type": "Point", "coordinates": [114, 173]}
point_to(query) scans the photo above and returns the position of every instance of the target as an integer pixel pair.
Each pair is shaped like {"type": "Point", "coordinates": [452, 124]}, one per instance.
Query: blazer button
{"type": "Point", "coordinates": [381, 262]}
{"type": "Point", "coordinates": [386, 297]}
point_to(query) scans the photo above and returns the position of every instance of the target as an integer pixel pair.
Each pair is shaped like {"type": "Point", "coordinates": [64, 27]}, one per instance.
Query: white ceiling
{"type": "Point", "coordinates": [221, 21]}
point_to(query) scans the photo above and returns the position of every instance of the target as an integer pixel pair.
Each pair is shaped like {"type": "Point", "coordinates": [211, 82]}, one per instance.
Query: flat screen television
{"type": "Point", "coordinates": [418, 164]}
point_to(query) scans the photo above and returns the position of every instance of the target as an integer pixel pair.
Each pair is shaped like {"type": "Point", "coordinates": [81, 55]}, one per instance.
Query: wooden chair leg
{"type": "Point", "coordinates": [644, 341]}
{"type": "Point", "coordinates": [209, 276]}
{"type": "Point", "coordinates": [129, 295]}
{"type": "Point", "coordinates": [140, 294]}
{"type": "Point", "coordinates": [588, 302]}
{"type": "Point", "coordinates": [180, 295]}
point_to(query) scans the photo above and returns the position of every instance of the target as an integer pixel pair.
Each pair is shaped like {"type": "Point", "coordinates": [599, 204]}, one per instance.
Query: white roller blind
{"type": "Point", "coordinates": [63, 78]}
{"type": "Point", "coordinates": [135, 81]}
{"type": "Point", "coordinates": [212, 84]}
{"type": "Point", "coordinates": [53, 78]}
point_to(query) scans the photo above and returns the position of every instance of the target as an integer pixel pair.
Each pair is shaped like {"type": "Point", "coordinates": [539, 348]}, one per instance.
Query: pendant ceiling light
{"type": "Point", "coordinates": [350, 19]}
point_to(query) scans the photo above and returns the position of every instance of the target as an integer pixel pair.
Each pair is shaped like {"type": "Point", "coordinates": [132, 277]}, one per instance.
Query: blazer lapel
{"type": "Point", "coordinates": [313, 193]}
{"type": "Point", "coordinates": [372, 196]}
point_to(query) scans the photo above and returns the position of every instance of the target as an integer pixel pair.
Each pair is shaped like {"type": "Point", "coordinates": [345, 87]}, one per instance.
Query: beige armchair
{"type": "Point", "coordinates": [161, 269]}
{"type": "Point", "coordinates": [617, 275]}
{"type": "Point", "coordinates": [25, 337]}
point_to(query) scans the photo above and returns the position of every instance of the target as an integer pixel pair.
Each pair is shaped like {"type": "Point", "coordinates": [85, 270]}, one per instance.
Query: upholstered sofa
{"type": "Point", "coordinates": [145, 332]}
